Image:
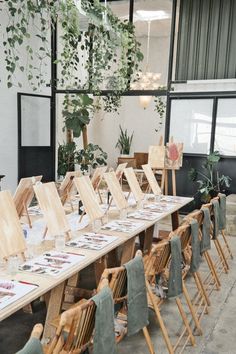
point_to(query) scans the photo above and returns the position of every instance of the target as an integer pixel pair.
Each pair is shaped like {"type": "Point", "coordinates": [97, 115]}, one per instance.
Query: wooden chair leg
{"type": "Point", "coordinates": [148, 341]}
{"type": "Point", "coordinates": [221, 256]}
{"type": "Point", "coordinates": [185, 320]}
{"type": "Point", "coordinates": [191, 309]}
{"type": "Point", "coordinates": [160, 320]}
{"type": "Point", "coordinates": [227, 244]}
{"type": "Point", "coordinates": [212, 270]}
{"type": "Point", "coordinates": [204, 293]}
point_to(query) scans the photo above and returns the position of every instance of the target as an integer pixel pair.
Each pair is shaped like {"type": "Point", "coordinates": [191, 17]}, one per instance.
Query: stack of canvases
{"type": "Point", "coordinates": [138, 285]}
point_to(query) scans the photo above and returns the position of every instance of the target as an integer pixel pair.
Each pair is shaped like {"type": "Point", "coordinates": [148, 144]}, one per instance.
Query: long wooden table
{"type": "Point", "coordinates": [53, 287]}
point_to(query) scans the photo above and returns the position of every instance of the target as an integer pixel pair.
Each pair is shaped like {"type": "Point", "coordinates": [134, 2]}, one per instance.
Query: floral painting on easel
{"type": "Point", "coordinates": [174, 155]}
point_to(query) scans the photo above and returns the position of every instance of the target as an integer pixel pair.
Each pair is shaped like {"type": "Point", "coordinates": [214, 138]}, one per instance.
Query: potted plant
{"type": "Point", "coordinates": [211, 182]}
{"type": "Point", "coordinates": [66, 158]}
{"type": "Point", "coordinates": [90, 158]}
{"type": "Point", "coordinates": [124, 142]}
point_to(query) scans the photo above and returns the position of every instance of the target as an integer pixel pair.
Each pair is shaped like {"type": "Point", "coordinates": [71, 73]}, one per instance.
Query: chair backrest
{"type": "Point", "coordinates": [157, 260]}
{"type": "Point", "coordinates": [184, 232]}
{"type": "Point", "coordinates": [117, 281]}
{"type": "Point", "coordinates": [79, 323]}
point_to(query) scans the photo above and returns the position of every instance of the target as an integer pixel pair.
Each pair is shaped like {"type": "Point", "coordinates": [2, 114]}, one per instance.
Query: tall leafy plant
{"type": "Point", "coordinates": [124, 141]}
{"type": "Point", "coordinates": [210, 182]}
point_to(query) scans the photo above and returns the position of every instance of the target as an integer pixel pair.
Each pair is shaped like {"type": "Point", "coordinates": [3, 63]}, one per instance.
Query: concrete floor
{"type": "Point", "coordinates": [219, 326]}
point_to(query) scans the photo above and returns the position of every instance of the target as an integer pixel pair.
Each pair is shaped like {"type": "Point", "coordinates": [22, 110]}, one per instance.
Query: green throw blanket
{"type": "Point", "coordinates": [206, 231]}
{"type": "Point", "coordinates": [175, 286]}
{"type": "Point", "coordinates": [195, 243]}
{"type": "Point", "coordinates": [137, 296]}
{"type": "Point", "coordinates": [104, 335]}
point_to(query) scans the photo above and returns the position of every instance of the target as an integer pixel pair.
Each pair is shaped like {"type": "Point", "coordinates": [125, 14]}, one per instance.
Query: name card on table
{"type": "Point", "coordinates": [92, 241]}
{"type": "Point", "coordinates": [123, 226]}
{"type": "Point", "coordinates": [11, 291]}
{"type": "Point", "coordinates": [144, 215]}
{"type": "Point", "coordinates": [52, 263]}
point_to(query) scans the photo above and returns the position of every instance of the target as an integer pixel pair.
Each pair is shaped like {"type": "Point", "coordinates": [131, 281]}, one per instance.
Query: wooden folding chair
{"type": "Point", "coordinates": [117, 281]}
{"type": "Point", "coordinates": [200, 302]}
{"type": "Point", "coordinates": [221, 264]}
{"type": "Point", "coordinates": [211, 281]}
{"type": "Point", "coordinates": [156, 263]}
{"type": "Point", "coordinates": [226, 248]}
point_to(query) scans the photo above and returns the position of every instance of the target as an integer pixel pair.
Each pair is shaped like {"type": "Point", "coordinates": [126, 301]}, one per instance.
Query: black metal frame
{"type": "Point", "coordinates": [19, 134]}
{"type": "Point", "coordinates": [168, 93]}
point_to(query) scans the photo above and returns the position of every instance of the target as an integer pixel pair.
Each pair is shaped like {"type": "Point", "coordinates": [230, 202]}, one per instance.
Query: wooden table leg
{"type": "Point", "coordinates": [141, 239]}
{"type": "Point", "coordinates": [175, 220]}
{"type": "Point", "coordinates": [68, 298]}
{"type": "Point", "coordinates": [148, 240]}
{"type": "Point", "coordinates": [128, 251]}
{"type": "Point", "coordinates": [99, 267]}
{"type": "Point", "coordinates": [113, 259]}
{"type": "Point", "coordinates": [54, 309]}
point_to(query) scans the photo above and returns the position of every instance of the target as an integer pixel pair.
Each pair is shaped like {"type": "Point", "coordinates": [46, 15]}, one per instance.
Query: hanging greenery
{"type": "Point", "coordinates": [107, 50]}
{"type": "Point", "coordinates": [160, 108]}
{"type": "Point", "coordinates": [76, 112]}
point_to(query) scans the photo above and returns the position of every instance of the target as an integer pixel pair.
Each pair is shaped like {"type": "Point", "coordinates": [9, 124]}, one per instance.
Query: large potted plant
{"type": "Point", "coordinates": [124, 142]}
{"type": "Point", "coordinates": [210, 182]}
{"type": "Point", "coordinates": [90, 158]}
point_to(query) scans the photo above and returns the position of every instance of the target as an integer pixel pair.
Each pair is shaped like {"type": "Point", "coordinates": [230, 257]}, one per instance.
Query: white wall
{"type": "Point", "coordinates": [8, 117]}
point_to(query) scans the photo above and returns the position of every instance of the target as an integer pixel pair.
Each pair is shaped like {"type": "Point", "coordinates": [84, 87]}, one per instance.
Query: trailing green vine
{"type": "Point", "coordinates": [108, 50]}
{"type": "Point", "coordinates": [160, 108]}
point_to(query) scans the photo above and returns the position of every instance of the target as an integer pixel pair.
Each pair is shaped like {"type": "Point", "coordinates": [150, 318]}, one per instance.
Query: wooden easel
{"type": "Point", "coordinates": [89, 198]}
{"type": "Point", "coordinates": [133, 184]}
{"type": "Point", "coordinates": [12, 241]}
{"type": "Point", "coordinates": [52, 208]}
{"type": "Point", "coordinates": [66, 187]}
{"type": "Point", "coordinates": [115, 190]}
{"type": "Point", "coordinates": [173, 165]}
{"type": "Point", "coordinates": [24, 195]}
{"type": "Point", "coordinates": [151, 179]}
{"type": "Point", "coordinates": [156, 159]}
{"type": "Point", "coordinates": [97, 179]}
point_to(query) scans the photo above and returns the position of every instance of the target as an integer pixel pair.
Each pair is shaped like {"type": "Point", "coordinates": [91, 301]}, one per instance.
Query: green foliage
{"type": "Point", "coordinates": [160, 108]}
{"type": "Point", "coordinates": [76, 112]}
{"type": "Point", "coordinates": [92, 156]}
{"type": "Point", "coordinates": [108, 49]}
{"type": "Point", "coordinates": [66, 157]}
{"type": "Point", "coordinates": [124, 142]}
{"type": "Point", "coordinates": [211, 183]}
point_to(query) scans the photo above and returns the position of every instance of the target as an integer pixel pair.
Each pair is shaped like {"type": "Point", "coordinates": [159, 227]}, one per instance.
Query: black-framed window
{"type": "Point", "coordinates": [204, 123]}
